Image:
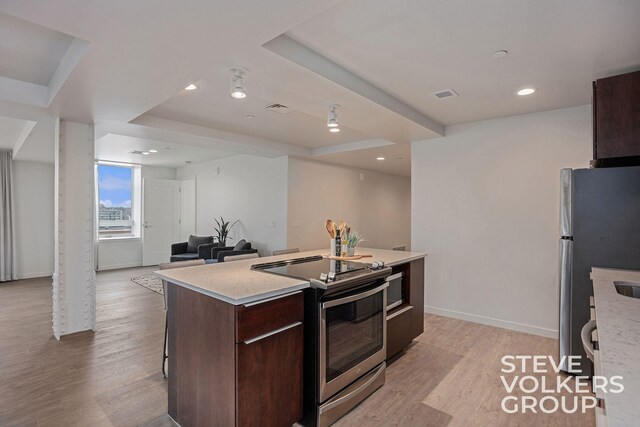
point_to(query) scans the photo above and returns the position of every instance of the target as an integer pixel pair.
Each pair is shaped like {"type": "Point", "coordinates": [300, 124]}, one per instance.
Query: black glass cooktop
{"type": "Point", "coordinates": [311, 267]}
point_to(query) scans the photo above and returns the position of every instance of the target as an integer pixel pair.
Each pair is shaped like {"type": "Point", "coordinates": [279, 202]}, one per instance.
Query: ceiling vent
{"type": "Point", "coordinates": [136, 152]}
{"type": "Point", "coordinates": [447, 93]}
{"type": "Point", "coordinates": [278, 108]}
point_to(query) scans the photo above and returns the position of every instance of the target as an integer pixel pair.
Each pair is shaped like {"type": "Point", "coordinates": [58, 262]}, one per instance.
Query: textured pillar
{"type": "Point", "coordinates": [74, 280]}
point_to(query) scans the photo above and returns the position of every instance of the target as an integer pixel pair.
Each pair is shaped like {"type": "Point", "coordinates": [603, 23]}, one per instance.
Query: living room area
{"type": "Point", "coordinates": [244, 203]}
{"type": "Point", "coordinates": [151, 197]}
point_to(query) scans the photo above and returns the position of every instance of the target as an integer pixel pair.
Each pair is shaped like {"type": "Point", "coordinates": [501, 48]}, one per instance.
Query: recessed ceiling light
{"type": "Point", "coordinates": [379, 158]}
{"type": "Point", "coordinates": [500, 53]}
{"type": "Point", "coordinates": [191, 87]}
{"type": "Point", "coordinates": [334, 130]}
{"type": "Point", "coordinates": [525, 91]}
{"type": "Point", "coordinates": [145, 153]}
{"type": "Point", "coordinates": [250, 116]}
{"type": "Point", "coordinates": [238, 83]}
{"type": "Point", "coordinates": [153, 151]}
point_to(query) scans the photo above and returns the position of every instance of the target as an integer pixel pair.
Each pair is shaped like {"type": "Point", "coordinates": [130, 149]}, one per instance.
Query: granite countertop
{"type": "Point", "coordinates": [235, 282]}
{"type": "Point", "coordinates": [618, 320]}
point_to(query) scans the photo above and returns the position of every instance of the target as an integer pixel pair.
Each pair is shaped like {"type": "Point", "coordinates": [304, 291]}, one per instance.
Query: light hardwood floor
{"type": "Point", "coordinates": [449, 376]}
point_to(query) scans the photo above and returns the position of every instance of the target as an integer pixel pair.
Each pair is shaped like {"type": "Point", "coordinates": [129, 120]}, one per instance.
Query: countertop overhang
{"type": "Point", "coordinates": [235, 282]}
{"type": "Point", "coordinates": [618, 323]}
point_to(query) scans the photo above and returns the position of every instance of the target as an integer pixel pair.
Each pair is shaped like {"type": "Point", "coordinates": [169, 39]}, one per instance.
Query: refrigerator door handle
{"type": "Point", "coordinates": [566, 187]}
{"type": "Point", "coordinates": [566, 258]}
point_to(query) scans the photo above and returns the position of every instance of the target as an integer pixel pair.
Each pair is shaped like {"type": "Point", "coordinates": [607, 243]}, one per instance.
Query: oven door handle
{"type": "Point", "coordinates": [352, 298]}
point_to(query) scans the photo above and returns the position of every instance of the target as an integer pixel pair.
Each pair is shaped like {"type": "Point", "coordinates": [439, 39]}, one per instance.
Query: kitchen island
{"type": "Point", "coordinates": [617, 316]}
{"type": "Point", "coordinates": [237, 338]}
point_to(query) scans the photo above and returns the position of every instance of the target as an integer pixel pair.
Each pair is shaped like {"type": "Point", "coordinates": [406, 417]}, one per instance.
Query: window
{"type": "Point", "coordinates": [116, 199]}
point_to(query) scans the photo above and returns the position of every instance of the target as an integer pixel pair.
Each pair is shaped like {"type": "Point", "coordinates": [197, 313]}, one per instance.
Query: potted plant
{"type": "Point", "coordinates": [222, 229]}
{"type": "Point", "coordinates": [352, 239]}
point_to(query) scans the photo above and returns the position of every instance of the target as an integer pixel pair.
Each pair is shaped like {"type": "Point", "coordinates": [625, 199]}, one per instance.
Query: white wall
{"type": "Point", "coordinates": [379, 207]}
{"type": "Point", "coordinates": [125, 253]}
{"type": "Point", "coordinates": [486, 208]}
{"type": "Point", "coordinates": [34, 212]}
{"type": "Point", "coordinates": [119, 253]}
{"type": "Point", "coordinates": [246, 188]}
{"type": "Point", "coordinates": [157, 172]}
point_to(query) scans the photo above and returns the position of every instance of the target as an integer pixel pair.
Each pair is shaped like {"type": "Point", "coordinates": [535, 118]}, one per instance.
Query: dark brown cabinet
{"type": "Point", "coordinates": [269, 380]}
{"type": "Point", "coordinates": [406, 322]}
{"type": "Point", "coordinates": [234, 365]}
{"type": "Point", "coordinates": [399, 330]}
{"type": "Point", "coordinates": [616, 116]}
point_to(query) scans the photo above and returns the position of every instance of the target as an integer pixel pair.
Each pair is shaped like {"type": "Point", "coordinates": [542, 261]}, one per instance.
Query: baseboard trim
{"type": "Point", "coordinates": [505, 324]}
{"type": "Point", "coordinates": [35, 275]}
{"type": "Point", "coordinates": [118, 266]}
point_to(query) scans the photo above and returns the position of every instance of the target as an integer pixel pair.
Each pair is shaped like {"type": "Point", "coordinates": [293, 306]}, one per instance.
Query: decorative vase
{"type": "Point", "coordinates": [351, 251]}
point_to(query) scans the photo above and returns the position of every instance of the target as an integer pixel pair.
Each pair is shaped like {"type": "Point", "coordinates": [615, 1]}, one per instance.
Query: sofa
{"type": "Point", "coordinates": [197, 247]}
{"type": "Point", "coordinates": [218, 254]}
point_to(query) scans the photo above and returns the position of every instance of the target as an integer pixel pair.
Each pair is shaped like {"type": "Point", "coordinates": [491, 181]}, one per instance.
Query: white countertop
{"type": "Point", "coordinates": [618, 321]}
{"type": "Point", "coordinates": [235, 282]}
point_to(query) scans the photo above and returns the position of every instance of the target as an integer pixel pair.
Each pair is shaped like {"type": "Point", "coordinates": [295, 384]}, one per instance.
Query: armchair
{"type": "Point", "coordinates": [241, 248]}
{"type": "Point", "coordinates": [195, 248]}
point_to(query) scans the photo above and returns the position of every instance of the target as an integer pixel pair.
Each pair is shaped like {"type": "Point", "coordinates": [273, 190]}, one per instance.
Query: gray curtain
{"type": "Point", "coordinates": [7, 235]}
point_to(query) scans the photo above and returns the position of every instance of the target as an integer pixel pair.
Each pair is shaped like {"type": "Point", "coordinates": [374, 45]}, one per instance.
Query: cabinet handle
{"type": "Point", "coordinates": [399, 312]}
{"type": "Point", "coordinates": [251, 304]}
{"type": "Point", "coordinates": [267, 335]}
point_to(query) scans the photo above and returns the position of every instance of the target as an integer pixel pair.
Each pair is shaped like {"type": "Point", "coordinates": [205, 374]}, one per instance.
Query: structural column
{"type": "Point", "coordinates": [74, 280]}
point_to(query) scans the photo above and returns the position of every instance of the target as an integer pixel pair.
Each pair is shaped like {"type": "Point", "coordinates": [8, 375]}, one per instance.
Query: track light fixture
{"type": "Point", "coordinates": [332, 116]}
{"type": "Point", "coordinates": [238, 82]}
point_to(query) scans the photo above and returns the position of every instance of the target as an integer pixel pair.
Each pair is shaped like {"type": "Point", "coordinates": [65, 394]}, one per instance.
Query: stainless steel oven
{"type": "Point", "coordinates": [345, 332]}
{"type": "Point", "coordinates": [353, 338]}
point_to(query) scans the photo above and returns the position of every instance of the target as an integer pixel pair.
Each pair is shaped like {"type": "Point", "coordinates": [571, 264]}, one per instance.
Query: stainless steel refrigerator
{"type": "Point", "coordinates": [600, 227]}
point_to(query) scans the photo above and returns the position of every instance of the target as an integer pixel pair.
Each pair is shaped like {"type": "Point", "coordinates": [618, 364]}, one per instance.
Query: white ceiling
{"type": "Point", "coordinates": [31, 53]}
{"type": "Point", "coordinates": [397, 159]}
{"type": "Point", "coordinates": [118, 148]}
{"type": "Point", "coordinates": [132, 76]}
{"type": "Point", "coordinates": [414, 49]}
{"type": "Point", "coordinates": [211, 106]}
{"type": "Point", "coordinates": [13, 132]}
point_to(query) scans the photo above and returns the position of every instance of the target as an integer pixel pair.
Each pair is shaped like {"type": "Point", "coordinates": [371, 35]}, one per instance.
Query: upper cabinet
{"type": "Point", "coordinates": [616, 116]}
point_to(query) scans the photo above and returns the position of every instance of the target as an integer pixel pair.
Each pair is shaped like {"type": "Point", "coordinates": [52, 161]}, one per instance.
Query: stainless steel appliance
{"type": "Point", "coordinates": [600, 227]}
{"type": "Point", "coordinates": [395, 293]}
{"type": "Point", "coordinates": [345, 332]}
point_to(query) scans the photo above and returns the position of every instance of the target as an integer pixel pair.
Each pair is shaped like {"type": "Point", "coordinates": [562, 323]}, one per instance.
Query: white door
{"type": "Point", "coordinates": [160, 219]}
{"type": "Point", "coordinates": [187, 208]}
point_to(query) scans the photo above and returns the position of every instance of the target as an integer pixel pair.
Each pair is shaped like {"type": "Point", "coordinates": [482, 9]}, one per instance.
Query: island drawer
{"type": "Point", "coordinates": [399, 330]}
{"type": "Point", "coordinates": [256, 319]}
